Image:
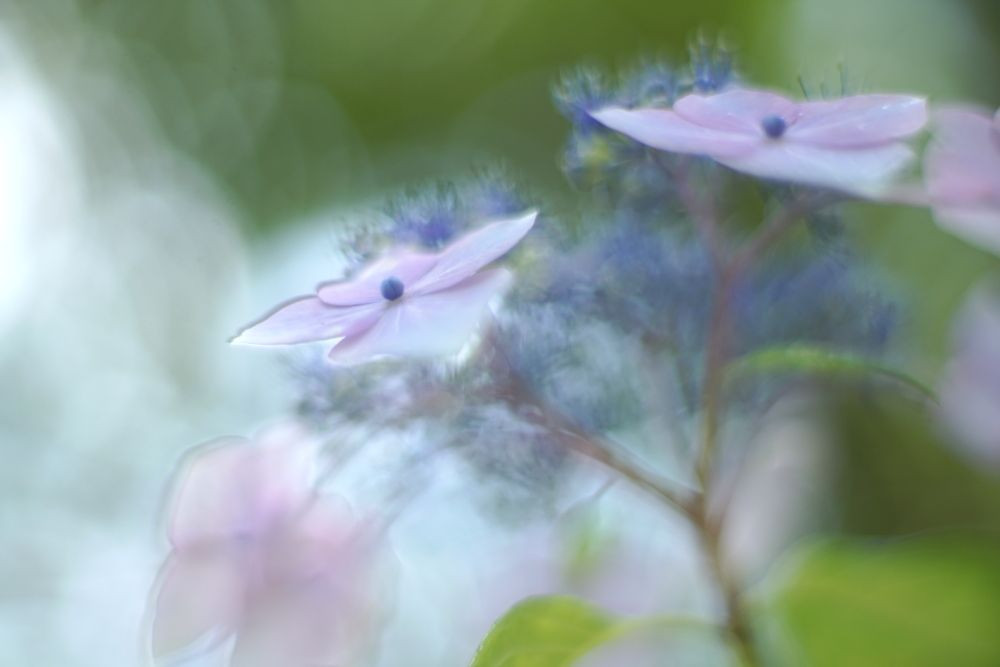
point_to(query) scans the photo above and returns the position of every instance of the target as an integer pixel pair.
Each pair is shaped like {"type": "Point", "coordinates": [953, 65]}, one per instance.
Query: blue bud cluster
{"type": "Point", "coordinates": [520, 467]}
{"type": "Point", "coordinates": [382, 396]}
{"type": "Point", "coordinates": [626, 173]}
{"type": "Point", "coordinates": [580, 366]}
{"type": "Point", "coordinates": [432, 216]}
{"type": "Point", "coordinates": [654, 279]}
{"type": "Point", "coordinates": [711, 67]}
{"type": "Point", "coordinates": [824, 299]}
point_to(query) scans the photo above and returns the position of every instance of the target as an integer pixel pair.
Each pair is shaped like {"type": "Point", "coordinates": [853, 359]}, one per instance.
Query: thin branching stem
{"type": "Point", "coordinates": [776, 227]}
{"type": "Point", "coordinates": [699, 207]}
{"type": "Point", "coordinates": [730, 271]}
{"type": "Point", "coordinates": [520, 397]}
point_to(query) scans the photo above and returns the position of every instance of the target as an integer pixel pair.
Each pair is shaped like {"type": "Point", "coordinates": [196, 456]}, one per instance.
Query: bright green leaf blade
{"type": "Point", "coordinates": [557, 631]}
{"type": "Point", "coordinates": [919, 603]}
{"type": "Point", "coordinates": [547, 631]}
{"type": "Point", "coordinates": [812, 359]}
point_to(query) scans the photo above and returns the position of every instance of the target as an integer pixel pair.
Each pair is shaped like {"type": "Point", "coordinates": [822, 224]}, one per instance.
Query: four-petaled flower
{"type": "Point", "coordinates": [850, 144]}
{"type": "Point", "coordinates": [257, 557]}
{"type": "Point", "coordinates": [962, 174]}
{"type": "Point", "coordinates": [405, 304]}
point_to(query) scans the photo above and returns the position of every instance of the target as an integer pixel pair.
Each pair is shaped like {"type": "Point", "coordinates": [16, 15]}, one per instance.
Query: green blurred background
{"type": "Point", "coordinates": [294, 104]}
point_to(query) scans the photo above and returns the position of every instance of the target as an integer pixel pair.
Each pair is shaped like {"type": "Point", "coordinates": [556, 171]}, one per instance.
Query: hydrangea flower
{"type": "Point", "coordinates": [259, 558]}
{"type": "Point", "coordinates": [962, 174]}
{"type": "Point", "coordinates": [970, 391]}
{"type": "Point", "coordinates": [407, 303]}
{"type": "Point", "coordinates": [850, 144]}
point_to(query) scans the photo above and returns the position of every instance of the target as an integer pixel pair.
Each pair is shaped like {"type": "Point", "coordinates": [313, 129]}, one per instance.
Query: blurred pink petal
{"type": "Point", "coordinates": [408, 303]}
{"type": "Point", "coordinates": [739, 110]}
{"type": "Point", "coordinates": [309, 622]}
{"type": "Point", "coordinates": [238, 489]}
{"type": "Point", "coordinates": [201, 594]}
{"type": "Point", "coordinates": [666, 130]}
{"type": "Point", "coordinates": [315, 605]}
{"type": "Point", "coordinates": [324, 535]}
{"type": "Point", "coordinates": [963, 159]}
{"type": "Point", "coordinates": [308, 319]}
{"type": "Point", "coordinates": [858, 172]}
{"type": "Point", "coordinates": [979, 226]}
{"type": "Point", "coordinates": [970, 391]}
{"type": "Point", "coordinates": [962, 175]}
{"type": "Point", "coordinates": [467, 255]}
{"type": "Point", "coordinates": [436, 323]}
{"type": "Point", "coordinates": [408, 267]}
{"type": "Point", "coordinates": [859, 120]}
{"type": "Point", "coordinates": [851, 144]}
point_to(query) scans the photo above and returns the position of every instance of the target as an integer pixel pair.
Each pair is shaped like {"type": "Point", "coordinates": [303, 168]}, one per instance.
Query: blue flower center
{"type": "Point", "coordinates": [773, 126]}
{"type": "Point", "coordinates": [391, 288]}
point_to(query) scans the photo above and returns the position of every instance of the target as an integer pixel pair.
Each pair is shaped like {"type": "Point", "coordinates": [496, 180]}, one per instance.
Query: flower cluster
{"type": "Point", "coordinates": [620, 321]}
{"type": "Point", "coordinates": [433, 217]}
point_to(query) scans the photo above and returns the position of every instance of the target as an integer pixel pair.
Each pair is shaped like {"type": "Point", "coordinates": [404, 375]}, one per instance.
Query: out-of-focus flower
{"type": "Point", "coordinates": [970, 392]}
{"type": "Point", "coordinates": [850, 144]}
{"type": "Point", "coordinates": [258, 557]}
{"type": "Point", "coordinates": [406, 304]}
{"type": "Point", "coordinates": [962, 173]}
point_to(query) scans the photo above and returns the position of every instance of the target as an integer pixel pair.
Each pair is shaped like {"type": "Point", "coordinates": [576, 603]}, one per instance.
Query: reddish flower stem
{"type": "Point", "coordinates": [520, 397]}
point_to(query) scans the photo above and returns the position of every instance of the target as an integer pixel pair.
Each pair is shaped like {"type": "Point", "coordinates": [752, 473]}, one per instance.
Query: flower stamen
{"type": "Point", "coordinates": [391, 288]}
{"type": "Point", "coordinates": [773, 126]}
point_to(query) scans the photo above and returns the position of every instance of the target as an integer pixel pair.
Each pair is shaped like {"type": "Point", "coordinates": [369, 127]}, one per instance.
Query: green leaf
{"type": "Point", "coordinates": [802, 358]}
{"type": "Point", "coordinates": [926, 602]}
{"type": "Point", "coordinates": [556, 631]}
{"type": "Point", "coordinates": [895, 474]}
{"type": "Point", "coordinates": [547, 631]}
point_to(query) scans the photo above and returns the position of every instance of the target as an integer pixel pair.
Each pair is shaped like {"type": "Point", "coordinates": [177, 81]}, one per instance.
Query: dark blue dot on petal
{"type": "Point", "coordinates": [391, 288]}
{"type": "Point", "coordinates": [774, 126]}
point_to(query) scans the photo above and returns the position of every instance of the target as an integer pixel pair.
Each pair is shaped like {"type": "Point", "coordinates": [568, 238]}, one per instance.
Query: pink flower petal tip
{"type": "Point", "coordinates": [970, 390]}
{"type": "Point", "coordinates": [962, 175]}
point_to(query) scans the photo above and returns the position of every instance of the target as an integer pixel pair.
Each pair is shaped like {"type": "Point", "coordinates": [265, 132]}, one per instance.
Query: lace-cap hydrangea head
{"type": "Point", "coordinates": [408, 303]}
